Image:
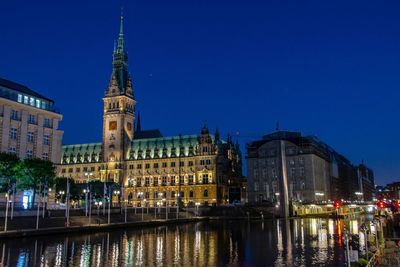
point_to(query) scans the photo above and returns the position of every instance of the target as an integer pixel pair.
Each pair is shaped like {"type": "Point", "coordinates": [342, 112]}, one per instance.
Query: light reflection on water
{"type": "Point", "coordinates": [300, 242]}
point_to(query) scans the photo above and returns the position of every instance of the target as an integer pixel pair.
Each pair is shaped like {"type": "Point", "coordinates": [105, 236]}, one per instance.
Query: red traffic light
{"type": "Point", "coordinates": [337, 204]}
{"type": "Point", "coordinates": [381, 204]}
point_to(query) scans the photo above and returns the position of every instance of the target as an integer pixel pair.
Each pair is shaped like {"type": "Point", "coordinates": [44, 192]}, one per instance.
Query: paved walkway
{"type": "Point", "coordinates": [57, 219]}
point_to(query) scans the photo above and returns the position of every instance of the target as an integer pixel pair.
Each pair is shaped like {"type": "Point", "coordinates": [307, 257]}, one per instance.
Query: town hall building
{"type": "Point", "coordinates": [199, 168]}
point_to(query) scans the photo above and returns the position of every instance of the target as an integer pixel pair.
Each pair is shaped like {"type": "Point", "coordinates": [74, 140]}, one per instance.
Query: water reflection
{"type": "Point", "coordinates": [301, 242]}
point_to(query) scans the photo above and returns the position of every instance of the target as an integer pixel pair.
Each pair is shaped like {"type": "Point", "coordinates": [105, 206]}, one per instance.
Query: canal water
{"type": "Point", "coordinates": [299, 242]}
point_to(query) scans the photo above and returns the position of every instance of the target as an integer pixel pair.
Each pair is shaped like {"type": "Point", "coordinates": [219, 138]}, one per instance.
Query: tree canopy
{"type": "Point", "coordinates": [36, 175]}
{"type": "Point", "coordinates": [8, 170]}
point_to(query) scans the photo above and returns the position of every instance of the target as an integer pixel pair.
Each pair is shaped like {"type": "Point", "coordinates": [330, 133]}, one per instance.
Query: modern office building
{"type": "Point", "coordinates": [199, 168]}
{"type": "Point", "coordinates": [366, 183]}
{"type": "Point", "coordinates": [28, 123]}
{"type": "Point", "coordinates": [390, 191]}
{"type": "Point", "coordinates": [315, 172]}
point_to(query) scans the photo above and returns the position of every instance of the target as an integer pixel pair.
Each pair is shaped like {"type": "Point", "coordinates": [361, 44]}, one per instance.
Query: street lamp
{"type": "Point", "coordinates": [158, 208]}
{"type": "Point", "coordinates": [141, 204]}
{"type": "Point", "coordinates": [138, 200]}
{"type": "Point", "coordinates": [364, 228]}
{"type": "Point", "coordinates": [85, 191]}
{"type": "Point", "coordinates": [5, 222]}
{"type": "Point", "coordinates": [147, 206]}
{"type": "Point", "coordinates": [88, 175]}
{"type": "Point", "coordinates": [126, 205]}
{"type": "Point", "coordinates": [98, 205]}
{"type": "Point", "coordinates": [61, 193]}
{"type": "Point", "coordinates": [117, 193]}
{"type": "Point", "coordinates": [177, 206]}
{"type": "Point", "coordinates": [166, 208]}
{"type": "Point", "coordinates": [14, 185]}
{"type": "Point", "coordinates": [197, 208]}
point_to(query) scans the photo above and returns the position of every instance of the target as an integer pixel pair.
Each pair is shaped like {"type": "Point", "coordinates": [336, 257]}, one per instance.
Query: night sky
{"type": "Point", "coordinates": [327, 68]}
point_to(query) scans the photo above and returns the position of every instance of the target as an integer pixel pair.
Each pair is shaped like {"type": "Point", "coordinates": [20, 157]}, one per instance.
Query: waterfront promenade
{"type": "Point", "coordinates": [55, 221]}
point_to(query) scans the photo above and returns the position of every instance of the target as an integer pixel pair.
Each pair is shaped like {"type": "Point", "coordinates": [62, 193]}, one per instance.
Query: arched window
{"type": "Point", "coordinates": [205, 194]}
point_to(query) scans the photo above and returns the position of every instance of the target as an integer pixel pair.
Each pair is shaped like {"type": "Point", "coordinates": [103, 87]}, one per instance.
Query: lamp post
{"type": "Point", "coordinates": [87, 175]}
{"type": "Point", "coordinates": [197, 208]}
{"type": "Point", "coordinates": [109, 208]}
{"type": "Point", "coordinates": [117, 193]}
{"type": "Point", "coordinates": [364, 228]}
{"type": "Point", "coordinates": [126, 205]}
{"type": "Point", "coordinates": [90, 205]}
{"type": "Point", "coordinates": [346, 235]}
{"type": "Point", "coordinates": [104, 196]}
{"type": "Point", "coordinates": [138, 200]}
{"type": "Point", "coordinates": [141, 204]}
{"type": "Point", "coordinates": [38, 208]}
{"type": "Point", "coordinates": [85, 191]}
{"type": "Point", "coordinates": [98, 204]}
{"type": "Point", "coordinates": [121, 199]}
{"type": "Point", "coordinates": [147, 207]}
{"type": "Point", "coordinates": [166, 208]}
{"type": "Point", "coordinates": [14, 185]}
{"type": "Point", "coordinates": [5, 222]}
{"type": "Point", "coordinates": [61, 193]}
{"type": "Point", "coordinates": [177, 206]}
{"type": "Point", "coordinates": [67, 202]}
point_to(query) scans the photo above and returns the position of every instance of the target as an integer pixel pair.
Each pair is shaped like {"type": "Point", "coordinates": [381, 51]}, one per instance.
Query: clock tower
{"type": "Point", "coordinates": [119, 115]}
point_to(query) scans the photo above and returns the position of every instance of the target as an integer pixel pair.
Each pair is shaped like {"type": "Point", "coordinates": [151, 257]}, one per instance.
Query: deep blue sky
{"type": "Point", "coordinates": [328, 68]}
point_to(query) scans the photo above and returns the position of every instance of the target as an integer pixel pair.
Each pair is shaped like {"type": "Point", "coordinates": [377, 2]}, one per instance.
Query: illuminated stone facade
{"type": "Point", "coordinates": [28, 123]}
{"type": "Point", "coordinates": [152, 168]}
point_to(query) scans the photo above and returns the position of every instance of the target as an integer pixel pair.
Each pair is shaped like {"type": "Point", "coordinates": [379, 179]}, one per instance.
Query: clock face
{"type": "Point", "coordinates": [112, 125]}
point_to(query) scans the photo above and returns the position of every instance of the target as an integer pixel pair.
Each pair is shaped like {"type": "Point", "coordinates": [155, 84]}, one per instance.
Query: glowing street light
{"type": "Point", "coordinates": [197, 208]}
{"type": "Point", "coordinates": [177, 206]}
{"type": "Point", "coordinates": [98, 204]}
{"type": "Point", "coordinates": [85, 191]}
{"type": "Point", "coordinates": [5, 222]}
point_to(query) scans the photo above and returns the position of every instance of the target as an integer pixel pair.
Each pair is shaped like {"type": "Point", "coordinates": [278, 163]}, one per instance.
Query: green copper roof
{"type": "Point", "coordinates": [81, 153]}
{"type": "Point", "coordinates": [164, 147]}
{"type": "Point", "coordinates": [150, 148]}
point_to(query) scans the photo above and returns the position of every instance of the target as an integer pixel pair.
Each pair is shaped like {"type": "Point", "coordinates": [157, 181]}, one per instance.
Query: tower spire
{"type": "Point", "coordinates": [120, 73]}
{"type": "Point", "coordinates": [121, 33]}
